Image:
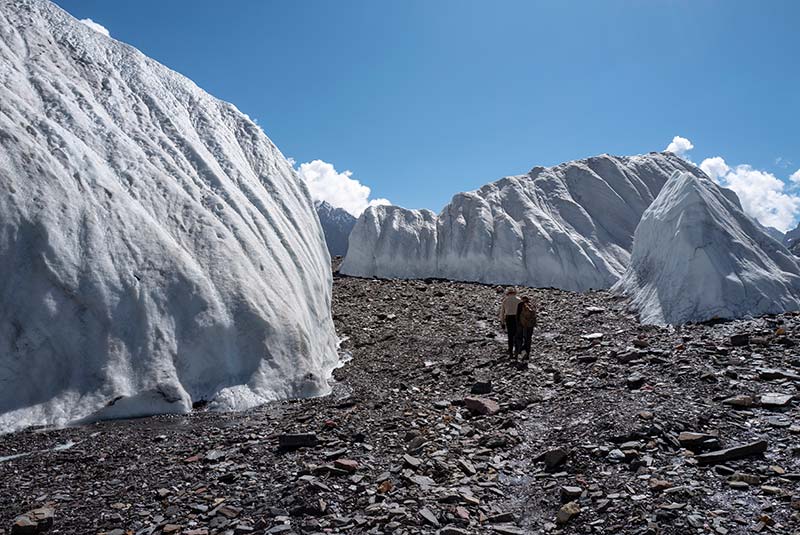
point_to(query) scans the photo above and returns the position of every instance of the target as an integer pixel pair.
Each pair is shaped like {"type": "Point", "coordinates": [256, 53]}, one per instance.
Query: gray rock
{"type": "Point", "coordinates": [698, 441]}
{"type": "Point", "coordinates": [36, 521]}
{"type": "Point", "coordinates": [569, 493]}
{"type": "Point", "coordinates": [635, 381]}
{"type": "Point", "coordinates": [770, 374]}
{"type": "Point", "coordinates": [428, 516]}
{"type": "Point", "coordinates": [483, 406]}
{"type": "Point", "coordinates": [740, 401]}
{"type": "Point", "coordinates": [501, 518]}
{"type": "Point", "coordinates": [481, 388]}
{"type": "Point", "coordinates": [773, 400]}
{"type": "Point", "coordinates": [504, 529]}
{"type": "Point", "coordinates": [731, 454]}
{"type": "Point", "coordinates": [567, 512]}
{"type": "Point", "coordinates": [553, 458]}
{"type": "Point", "coordinates": [297, 440]}
{"type": "Point", "coordinates": [411, 461]}
{"type": "Point", "coordinates": [739, 340]}
{"type": "Point", "coordinates": [467, 467]}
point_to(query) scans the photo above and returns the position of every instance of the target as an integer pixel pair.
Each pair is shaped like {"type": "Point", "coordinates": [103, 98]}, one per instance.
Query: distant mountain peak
{"type": "Point", "coordinates": [337, 223]}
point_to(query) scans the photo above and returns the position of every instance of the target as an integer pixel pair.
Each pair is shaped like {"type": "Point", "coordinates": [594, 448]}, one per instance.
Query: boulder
{"type": "Point", "coordinates": [33, 522]}
{"type": "Point", "coordinates": [482, 406]}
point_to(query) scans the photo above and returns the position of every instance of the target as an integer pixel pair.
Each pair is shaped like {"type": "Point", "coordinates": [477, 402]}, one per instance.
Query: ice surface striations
{"type": "Point", "coordinates": [697, 256]}
{"type": "Point", "coordinates": [337, 224]}
{"type": "Point", "coordinates": [155, 247]}
{"type": "Point", "coordinates": [570, 226]}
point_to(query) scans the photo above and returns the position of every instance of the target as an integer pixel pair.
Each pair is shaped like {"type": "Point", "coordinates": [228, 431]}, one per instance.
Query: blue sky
{"type": "Point", "coordinates": [421, 99]}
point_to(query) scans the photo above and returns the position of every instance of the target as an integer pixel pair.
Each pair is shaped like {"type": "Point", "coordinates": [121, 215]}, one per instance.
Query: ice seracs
{"type": "Point", "coordinates": [697, 256]}
{"type": "Point", "coordinates": [570, 226]}
{"type": "Point", "coordinates": [157, 249]}
{"type": "Point", "coordinates": [389, 241]}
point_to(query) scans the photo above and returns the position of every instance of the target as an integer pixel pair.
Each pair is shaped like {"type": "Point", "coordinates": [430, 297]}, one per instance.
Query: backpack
{"type": "Point", "coordinates": [527, 314]}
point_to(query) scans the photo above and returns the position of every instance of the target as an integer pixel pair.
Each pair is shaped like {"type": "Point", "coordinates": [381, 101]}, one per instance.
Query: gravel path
{"type": "Point", "coordinates": [595, 434]}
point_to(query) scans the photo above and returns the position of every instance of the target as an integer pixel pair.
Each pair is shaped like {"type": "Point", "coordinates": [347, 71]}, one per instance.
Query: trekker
{"type": "Point", "coordinates": [526, 321]}
{"type": "Point", "coordinates": [508, 317]}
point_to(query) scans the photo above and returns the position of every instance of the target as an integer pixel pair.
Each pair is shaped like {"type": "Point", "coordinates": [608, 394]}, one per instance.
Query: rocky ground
{"type": "Point", "coordinates": [611, 427]}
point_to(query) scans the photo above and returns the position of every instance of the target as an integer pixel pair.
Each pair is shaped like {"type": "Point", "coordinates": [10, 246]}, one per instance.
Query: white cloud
{"type": "Point", "coordinates": [679, 146]}
{"type": "Point", "coordinates": [795, 177]}
{"type": "Point", "coordinates": [715, 167]}
{"type": "Point", "coordinates": [99, 28]}
{"type": "Point", "coordinates": [761, 193]}
{"type": "Point", "coordinates": [380, 201]}
{"type": "Point", "coordinates": [338, 189]}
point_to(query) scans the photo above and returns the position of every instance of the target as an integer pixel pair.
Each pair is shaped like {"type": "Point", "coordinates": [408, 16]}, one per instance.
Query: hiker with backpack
{"type": "Point", "coordinates": [526, 321]}
{"type": "Point", "coordinates": [508, 317]}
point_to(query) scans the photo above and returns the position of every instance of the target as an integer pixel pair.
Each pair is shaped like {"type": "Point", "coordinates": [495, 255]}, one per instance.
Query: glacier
{"type": "Point", "coordinates": [697, 256]}
{"type": "Point", "coordinates": [570, 226]}
{"type": "Point", "coordinates": [156, 248]}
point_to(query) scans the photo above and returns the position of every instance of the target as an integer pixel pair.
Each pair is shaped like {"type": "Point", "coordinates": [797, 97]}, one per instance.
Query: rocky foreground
{"type": "Point", "coordinates": [609, 428]}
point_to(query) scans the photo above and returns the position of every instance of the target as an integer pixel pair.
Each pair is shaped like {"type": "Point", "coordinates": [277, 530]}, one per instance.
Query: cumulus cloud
{"type": "Point", "coordinates": [762, 194]}
{"type": "Point", "coordinates": [99, 28]}
{"type": "Point", "coordinates": [338, 189]}
{"type": "Point", "coordinates": [715, 167]}
{"type": "Point", "coordinates": [679, 146]}
{"type": "Point", "coordinates": [795, 177]}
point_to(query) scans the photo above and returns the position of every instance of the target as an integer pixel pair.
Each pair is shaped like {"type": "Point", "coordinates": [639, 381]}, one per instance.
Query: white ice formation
{"type": "Point", "coordinates": [570, 226]}
{"type": "Point", "coordinates": [156, 248]}
{"type": "Point", "coordinates": [697, 256]}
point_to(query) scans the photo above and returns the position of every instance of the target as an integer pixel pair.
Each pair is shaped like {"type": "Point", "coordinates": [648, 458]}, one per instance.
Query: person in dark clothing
{"type": "Point", "coordinates": [526, 321]}
{"type": "Point", "coordinates": [508, 317]}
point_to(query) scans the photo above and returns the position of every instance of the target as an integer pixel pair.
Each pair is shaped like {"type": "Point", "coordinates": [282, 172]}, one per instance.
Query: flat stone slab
{"type": "Point", "coordinates": [689, 439]}
{"type": "Point", "coordinates": [770, 374]}
{"type": "Point", "coordinates": [775, 400]}
{"type": "Point", "coordinates": [592, 336]}
{"type": "Point", "coordinates": [731, 454]}
{"type": "Point", "coordinates": [739, 401]}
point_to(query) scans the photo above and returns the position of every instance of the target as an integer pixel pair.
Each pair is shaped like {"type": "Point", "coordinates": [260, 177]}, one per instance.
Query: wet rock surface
{"type": "Point", "coordinates": [432, 429]}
